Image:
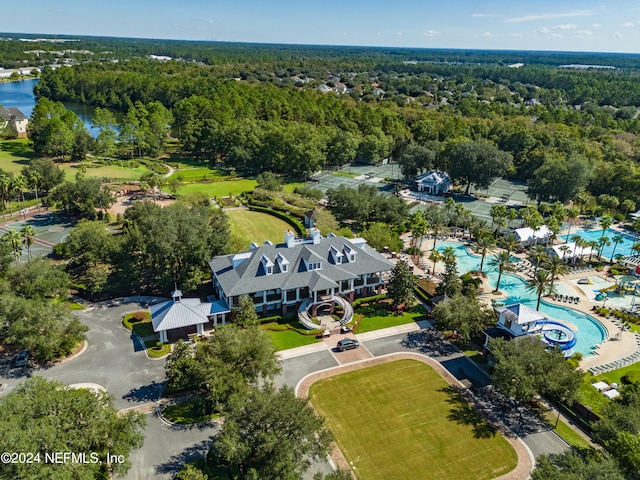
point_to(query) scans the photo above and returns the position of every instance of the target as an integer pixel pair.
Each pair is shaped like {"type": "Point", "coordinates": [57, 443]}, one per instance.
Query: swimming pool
{"type": "Point", "coordinates": [590, 331]}
{"type": "Point", "coordinates": [623, 247]}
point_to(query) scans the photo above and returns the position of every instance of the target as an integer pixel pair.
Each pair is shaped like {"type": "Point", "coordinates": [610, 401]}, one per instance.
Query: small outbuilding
{"type": "Point", "coordinates": [434, 182]}
{"type": "Point", "coordinates": [528, 236]}
{"type": "Point", "coordinates": [182, 313]}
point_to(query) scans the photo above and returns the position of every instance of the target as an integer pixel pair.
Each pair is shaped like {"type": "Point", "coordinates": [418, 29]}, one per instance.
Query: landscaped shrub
{"type": "Point", "coordinates": [371, 299]}
{"type": "Point", "coordinates": [295, 223]}
{"type": "Point", "coordinates": [632, 377]}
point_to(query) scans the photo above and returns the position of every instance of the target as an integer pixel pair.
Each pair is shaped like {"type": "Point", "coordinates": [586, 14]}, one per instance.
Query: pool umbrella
{"type": "Point", "coordinates": [627, 279]}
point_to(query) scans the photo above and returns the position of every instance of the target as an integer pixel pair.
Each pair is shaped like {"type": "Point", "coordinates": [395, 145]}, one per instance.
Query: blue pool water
{"type": "Point", "coordinates": [623, 248]}
{"type": "Point", "coordinates": [590, 331]}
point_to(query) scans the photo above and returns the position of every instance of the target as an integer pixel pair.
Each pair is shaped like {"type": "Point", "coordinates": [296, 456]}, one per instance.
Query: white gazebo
{"type": "Point", "coordinates": [519, 319]}
{"type": "Point", "coordinates": [185, 312]}
{"type": "Point", "coordinates": [528, 236]}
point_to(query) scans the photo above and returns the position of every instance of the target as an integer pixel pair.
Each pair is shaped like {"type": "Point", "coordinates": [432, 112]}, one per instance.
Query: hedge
{"type": "Point", "coordinates": [294, 222]}
{"type": "Point", "coordinates": [374, 298]}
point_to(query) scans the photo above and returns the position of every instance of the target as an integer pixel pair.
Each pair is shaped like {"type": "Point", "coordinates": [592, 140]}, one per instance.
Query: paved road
{"type": "Point", "coordinates": [111, 360]}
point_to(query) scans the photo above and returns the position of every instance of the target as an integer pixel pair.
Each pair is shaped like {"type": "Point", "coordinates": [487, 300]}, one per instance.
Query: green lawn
{"type": "Point", "coordinates": [565, 431]}
{"type": "Point", "coordinates": [219, 189]}
{"type": "Point", "coordinates": [286, 339]}
{"type": "Point", "coordinates": [15, 155]}
{"type": "Point", "coordinates": [196, 174]}
{"type": "Point", "coordinates": [256, 226]}
{"type": "Point", "coordinates": [187, 413]}
{"type": "Point", "coordinates": [104, 171]}
{"type": "Point", "coordinates": [375, 318]}
{"type": "Point", "coordinates": [401, 420]}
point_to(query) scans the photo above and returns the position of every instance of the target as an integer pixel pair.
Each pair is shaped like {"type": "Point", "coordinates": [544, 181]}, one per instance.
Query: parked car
{"type": "Point", "coordinates": [347, 344]}
{"type": "Point", "coordinates": [21, 359]}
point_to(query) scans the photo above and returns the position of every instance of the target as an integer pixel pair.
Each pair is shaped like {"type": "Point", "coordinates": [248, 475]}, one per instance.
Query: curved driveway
{"type": "Point", "coordinates": [135, 381]}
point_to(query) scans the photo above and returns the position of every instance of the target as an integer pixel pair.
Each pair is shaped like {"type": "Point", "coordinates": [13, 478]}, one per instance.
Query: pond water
{"type": "Point", "coordinates": [20, 95]}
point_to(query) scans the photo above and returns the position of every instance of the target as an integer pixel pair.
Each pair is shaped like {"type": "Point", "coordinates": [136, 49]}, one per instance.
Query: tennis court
{"type": "Point", "coordinates": [355, 175]}
{"type": "Point", "coordinates": [51, 229]}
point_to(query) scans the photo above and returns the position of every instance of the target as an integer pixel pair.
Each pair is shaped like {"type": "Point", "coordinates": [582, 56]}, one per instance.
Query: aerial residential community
{"type": "Point", "coordinates": [267, 259]}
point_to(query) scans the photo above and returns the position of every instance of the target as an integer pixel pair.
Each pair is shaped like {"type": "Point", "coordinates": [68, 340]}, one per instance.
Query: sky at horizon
{"type": "Point", "coordinates": [561, 25]}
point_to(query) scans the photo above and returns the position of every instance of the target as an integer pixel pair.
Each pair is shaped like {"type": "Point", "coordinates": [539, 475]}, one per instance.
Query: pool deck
{"type": "Point", "coordinates": [618, 345]}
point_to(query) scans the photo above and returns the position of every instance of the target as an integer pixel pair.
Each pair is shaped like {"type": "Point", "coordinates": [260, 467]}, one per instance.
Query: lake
{"type": "Point", "coordinates": [20, 95]}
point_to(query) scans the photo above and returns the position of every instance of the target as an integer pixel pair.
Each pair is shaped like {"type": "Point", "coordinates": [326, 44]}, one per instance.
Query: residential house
{"type": "Point", "coordinates": [15, 120]}
{"type": "Point", "coordinates": [309, 271]}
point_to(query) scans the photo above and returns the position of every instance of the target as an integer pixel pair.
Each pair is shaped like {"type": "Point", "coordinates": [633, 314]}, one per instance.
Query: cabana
{"type": "Point", "coordinates": [571, 250]}
{"type": "Point", "coordinates": [528, 236]}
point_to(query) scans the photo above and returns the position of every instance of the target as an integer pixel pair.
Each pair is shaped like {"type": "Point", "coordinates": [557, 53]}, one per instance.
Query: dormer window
{"type": "Point", "coordinates": [314, 266]}
{"type": "Point", "coordinates": [350, 254]}
{"type": "Point", "coordinates": [267, 265]}
{"type": "Point", "coordinates": [282, 262]}
{"type": "Point", "coordinates": [336, 255]}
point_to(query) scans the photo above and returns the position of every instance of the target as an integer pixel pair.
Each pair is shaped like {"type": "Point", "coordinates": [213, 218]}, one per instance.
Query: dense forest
{"type": "Point", "coordinates": [299, 109]}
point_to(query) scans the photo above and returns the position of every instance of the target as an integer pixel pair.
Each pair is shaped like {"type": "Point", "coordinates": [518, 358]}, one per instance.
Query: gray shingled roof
{"type": "Point", "coordinates": [12, 113]}
{"type": "Point", "coordinates": [249, 276]}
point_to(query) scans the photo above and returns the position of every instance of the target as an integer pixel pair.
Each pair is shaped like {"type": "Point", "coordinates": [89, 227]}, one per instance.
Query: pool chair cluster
{"type": "Point", "coordinates": [580, 269]}
{"type": "Point", "coordinates": [566, 299]}
{"type": "Point", "coordinates": [620, 363]}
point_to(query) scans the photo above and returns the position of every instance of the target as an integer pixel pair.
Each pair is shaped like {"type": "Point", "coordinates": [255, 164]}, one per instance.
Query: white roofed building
{"type": "Point", "coordinates": [434, 182]}
{"type": "Point", "coordinates": [527, 236]}
{"type": "Point", "coordinates": [181, 313]}
{"type": "Point", "coordinates": [571, 250]}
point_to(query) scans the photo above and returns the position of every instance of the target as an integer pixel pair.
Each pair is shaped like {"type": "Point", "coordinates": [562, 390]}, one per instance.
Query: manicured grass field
{"type": "Point", "coordinates": [103, 171]}
{"type": "Point", "coordinates": [285, 339]}
{"type": "Point", "coordinates": [220, 189]}
{"type": "Point", "coordinates": [256, 226]}
{"type": "Point", "coordinates": [375, 318]}
{"type": "Point", "coordinates": [400, 420]}
{"type": "Point", "coordinates": [15, 155]}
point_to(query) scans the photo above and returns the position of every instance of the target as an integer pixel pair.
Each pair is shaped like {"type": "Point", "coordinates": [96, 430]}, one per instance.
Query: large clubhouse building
{"type": "Point", "coordinates": [307, 271]}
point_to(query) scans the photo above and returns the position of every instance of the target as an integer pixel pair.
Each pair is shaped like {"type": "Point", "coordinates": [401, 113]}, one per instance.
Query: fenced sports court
{"type": "Point", "coordinates": [353, 175]}
{"type": "Point", "coordinates": [51, 228]}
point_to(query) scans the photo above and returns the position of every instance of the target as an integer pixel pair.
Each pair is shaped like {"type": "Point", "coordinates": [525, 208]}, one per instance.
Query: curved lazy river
{"type": "Point", "coordinates": [590, 332]}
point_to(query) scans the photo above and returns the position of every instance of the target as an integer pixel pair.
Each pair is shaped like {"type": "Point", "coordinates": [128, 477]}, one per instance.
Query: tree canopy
{"type": "Point", "coordinates": [43, 417]}
{"type": "Point", "coordinates": [272, 434]}
{"type": "Point", "coordinates": [525, 368]}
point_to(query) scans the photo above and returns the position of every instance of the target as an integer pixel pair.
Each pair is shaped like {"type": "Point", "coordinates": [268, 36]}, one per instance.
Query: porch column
{"type": "Point", "coordinates": [215, 320]}
{"type": "Point", "coordinates": [163, 336]}
{"type": "Point", "coordinates": [200, 329]}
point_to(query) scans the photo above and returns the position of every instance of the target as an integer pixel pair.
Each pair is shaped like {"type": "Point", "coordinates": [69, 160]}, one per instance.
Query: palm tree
{"type": "Point", "coordinates": [602, 242]}
{"type": "Point", "coordinates": [572, 214]}
{"type": "Point", "coordinates": [458, 211]}
{"type": "Point", "coordinates": [627, 206]}
{"type": "Point", "coordinates": [5, 184]}
{"type": "Point", "coordinates": [565, 250]}
{"type": "Point", "coordinates": [605, 222]}
{"type": "Point", "coordinates": [437, 227]}
{"type": "Point", "coordinates": [538, 255]}
{"type": "Point", "coordinates": [636, 248]}
{"type": "Point", "coordinates": [541, 284]}
{"type": "Point", "coordinates": [28, 237]}
{"type": "Point", "coordinates": [617, 239]}
{"type": "Point", "coordinates": [18, 185]}
{"type": "Point", "coordinates": [593, 244]}
{"type": "Point", "coordinates": [484, 245]}
{"type": "Point", "coordinates": [512, 214]}
{"type": "Point", "coordinates": [510, 243]}
{"type": "Point", "coordinates": [33, 179]}
{"type": "Point", "coordinates": [555, 266]}
{"type": "Point", "coordinates": [501, 261]}
{"type": "Point", "coordinates": [435, 257]}
{"type": "Point", "coordinates": [418, 226]}
{"type": "Point", "coordinates": [13, 238]}
{"type": "Point", "coordinates": [448, 255]}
